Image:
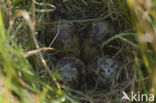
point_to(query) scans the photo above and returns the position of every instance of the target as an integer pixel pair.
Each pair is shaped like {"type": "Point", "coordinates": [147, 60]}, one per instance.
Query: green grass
{"type": "Point", "coordinates": [145, 26]}
{"type": "Point", "coordinates": [21, 80]}
{"type": "Point", "coordinates": [20, 83]}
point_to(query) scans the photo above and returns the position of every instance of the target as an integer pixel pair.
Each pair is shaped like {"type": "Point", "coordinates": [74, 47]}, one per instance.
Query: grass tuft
{"type": "Point", "coordinates": [25, 64]}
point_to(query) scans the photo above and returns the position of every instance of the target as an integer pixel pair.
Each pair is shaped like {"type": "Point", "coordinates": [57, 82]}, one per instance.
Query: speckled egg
{"type": "Point", "coordinates": [103, 70]}
{"type": "Point", "coordinates": [72, 71]}
{"type": "Point", "coordinates": [66, 40]}
{"type": "Point", "coordinates": [93, 37]}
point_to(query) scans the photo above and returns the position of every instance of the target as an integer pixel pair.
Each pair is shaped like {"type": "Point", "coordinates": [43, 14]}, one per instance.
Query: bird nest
{"type": "Point", "coordinates": [85, 30]}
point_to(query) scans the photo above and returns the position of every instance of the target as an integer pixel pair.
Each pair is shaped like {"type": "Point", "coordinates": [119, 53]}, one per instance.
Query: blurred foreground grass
{"type": "Point", "coordinates": [19, 82]}
{"type": "Point", "coordinates": [143, 17]}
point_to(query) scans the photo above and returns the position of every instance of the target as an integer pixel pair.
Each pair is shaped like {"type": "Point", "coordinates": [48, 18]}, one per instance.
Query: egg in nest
{"type": "Point", "coordinates": [93, 37]}
{"type": "Point", "coordinates": [72, 71]}
{"type": "Point", "coordinates": [103, 70]}
{"type": "Point", "coordinates": [66, 40]}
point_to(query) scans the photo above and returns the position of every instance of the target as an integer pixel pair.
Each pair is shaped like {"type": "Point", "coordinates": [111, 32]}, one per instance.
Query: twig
{"type": "Point", "coordinates": [32, 52]}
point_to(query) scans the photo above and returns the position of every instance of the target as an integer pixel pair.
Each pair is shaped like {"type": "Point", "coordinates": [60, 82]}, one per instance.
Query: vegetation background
{"type": "Point", "coordinates": [20, 20]}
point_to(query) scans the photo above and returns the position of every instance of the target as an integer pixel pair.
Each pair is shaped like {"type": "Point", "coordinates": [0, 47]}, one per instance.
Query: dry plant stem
{"type": "Point", "coordinates": [145, 29]}
{"type": "Point", "coordinates": [58, 30]}
{"type": "Point", "coordinates": [133, 44]}
{"type": "Point", "coordinates": [9, 5]}
{"type": "Point", "coordinates": [44, 64]}
{"type": "Point", "coordinates": [153, 81]}
{"type": "Point", "coordinates": [45, 10]}
{"type": "Point", "coordinates": [129, 42]}
{"type": "Point", "coordinates": [33, 12]}
{"type": "Point", "coordinates": [11, 23]}
{"type": "Point", "coordinates": [11, 20]}
{"type": "Point", "coordinates": [84, 2]}
{"type": "Point", "coordinates": [32, 52]}
{"type": "Point", "coordinates": [82, 94]}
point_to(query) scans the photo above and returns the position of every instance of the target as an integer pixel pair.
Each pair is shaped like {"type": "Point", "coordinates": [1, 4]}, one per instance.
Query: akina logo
{"type": "Point", "coordinates": [138, 97]}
